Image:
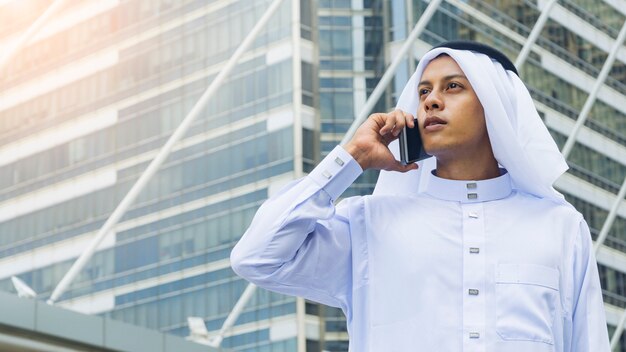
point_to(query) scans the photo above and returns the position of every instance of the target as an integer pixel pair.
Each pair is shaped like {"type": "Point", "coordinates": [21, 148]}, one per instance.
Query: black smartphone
{"type": "Point", "coordinates": [411, 147]}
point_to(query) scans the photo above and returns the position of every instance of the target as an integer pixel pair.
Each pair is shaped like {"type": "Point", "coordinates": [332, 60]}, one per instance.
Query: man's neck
{"type": "Point", "coordinates": [464, 168]}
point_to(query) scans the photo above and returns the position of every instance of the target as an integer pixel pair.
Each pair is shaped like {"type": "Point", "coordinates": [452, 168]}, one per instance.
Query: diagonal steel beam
{"type": "Point", "coordinates": [618, 331]}
{"type": "Point", "coordinates": [608, 223]}
{"type": "Point", "coordinates": [231, 319]}
{"type": "Point", "coordinates": [606, 227]}
{"type": "Point", "coordinates": [162, 155]}
{"type": "Point", "coordinates": [391, 70]}
{"type": "Point", "coordinates": [584, 113]}
{"type": "Point", "coordinates": [30, 32]}
{"type": "Point", "coordinates": [534, 33]}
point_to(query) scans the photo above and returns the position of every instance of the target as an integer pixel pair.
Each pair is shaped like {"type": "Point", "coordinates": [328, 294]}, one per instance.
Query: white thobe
{"type": "Point", "coordinates": [464, 266]}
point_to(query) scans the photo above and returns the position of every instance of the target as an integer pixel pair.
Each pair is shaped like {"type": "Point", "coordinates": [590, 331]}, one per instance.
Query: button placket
{"type": "Point", "coordinates": [474, 304]}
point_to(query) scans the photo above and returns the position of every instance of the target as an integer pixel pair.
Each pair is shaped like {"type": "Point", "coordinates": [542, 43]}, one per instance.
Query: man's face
{"type": "Point", "coordinates": [451, 118]}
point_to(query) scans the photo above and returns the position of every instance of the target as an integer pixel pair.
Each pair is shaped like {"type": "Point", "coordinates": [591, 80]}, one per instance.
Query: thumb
{"type": "Point", "coordinates": [399, 167]}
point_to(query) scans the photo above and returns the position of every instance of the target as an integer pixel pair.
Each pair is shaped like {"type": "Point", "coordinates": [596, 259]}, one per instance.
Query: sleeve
{"type": "Point", "coordinates": [298, 243]}
{"type": "Point", "coordinates": [588, 328]}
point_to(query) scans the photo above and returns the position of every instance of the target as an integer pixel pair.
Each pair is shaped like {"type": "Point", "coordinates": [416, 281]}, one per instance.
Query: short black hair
{"type": "Point", "coordinates": [480, 48]}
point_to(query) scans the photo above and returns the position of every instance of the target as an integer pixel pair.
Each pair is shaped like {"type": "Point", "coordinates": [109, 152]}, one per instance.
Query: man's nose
{"type": "Point", "coordinates": [433, 101]}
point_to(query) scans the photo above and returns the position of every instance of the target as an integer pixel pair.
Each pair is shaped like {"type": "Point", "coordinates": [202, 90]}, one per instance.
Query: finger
{"type": "Point", "coordinates": [400, 122]}
{"type": "Point", "coordinates": [390, 121]}
{"type": "Point", "coordinates": [410, 120]}
{"type": "Point", "coordinates": [408, 167]}
{"type": "Point", "coordinates": [399, 167]}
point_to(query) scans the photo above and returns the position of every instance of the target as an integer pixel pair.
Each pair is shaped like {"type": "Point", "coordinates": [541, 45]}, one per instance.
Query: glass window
{"type": "Point", "coordinates": [341, 42]}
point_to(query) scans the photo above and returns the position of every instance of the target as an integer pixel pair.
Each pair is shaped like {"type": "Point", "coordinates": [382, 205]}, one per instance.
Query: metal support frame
{"type": "Point", "coordinates": [391, 70]}
{"type": "Point", "coordinates": [534, 34]}
{"type": "Point", "coordinates": [584, 113]}
{"type": "Point", "coordinates": [216, 340]}
{"type": "Point", "coordinates": [610, 218]}
{"type": "Point", "coordinates": [30, 32]}
{"type": "Point", "coordinates": [618, 331]}
{"type": "Point", "coordinates": [161, 156]}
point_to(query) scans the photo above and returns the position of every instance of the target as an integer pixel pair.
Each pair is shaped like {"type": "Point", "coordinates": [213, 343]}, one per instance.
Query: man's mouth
{"type": "Point", "coordinates": [433, 121]}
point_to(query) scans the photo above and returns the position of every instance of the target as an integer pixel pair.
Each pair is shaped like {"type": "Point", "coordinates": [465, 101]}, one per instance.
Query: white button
{"type": "Point", "coordinates": [474, 335]}
{"type": "Point", "coordinates": [471, 185]}
{"type": "Point", "coordinates": [339, 161]}
{"type": "Point", "coordinates": [327, 174]}
{"type": "Point", "coordinates": [473, 215]}
{"type": "Point", "coordinates": [472, 196]}
{"type": "Point", "coordinates": [473, 292]}
{"type": "Point", "coordinates": [474, 250]}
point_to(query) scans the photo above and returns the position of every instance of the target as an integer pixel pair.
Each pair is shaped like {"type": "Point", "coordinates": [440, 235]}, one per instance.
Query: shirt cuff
{"type": "Point", "coordinates": [336, 172]}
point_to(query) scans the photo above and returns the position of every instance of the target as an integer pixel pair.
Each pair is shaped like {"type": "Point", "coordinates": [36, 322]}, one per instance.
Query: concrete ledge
{"type": "Point", "coordinates": [30, 325]}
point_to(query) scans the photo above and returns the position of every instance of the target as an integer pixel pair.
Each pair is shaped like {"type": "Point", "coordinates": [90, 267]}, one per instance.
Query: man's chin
{"type": "Point", "coordinates": [440, 151]}
{"type": "Point", "coordinates": [434, 149]}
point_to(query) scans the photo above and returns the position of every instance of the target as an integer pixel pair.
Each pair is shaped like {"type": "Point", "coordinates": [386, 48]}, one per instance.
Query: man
{"type": "Point", "coordinates": [473, 251]}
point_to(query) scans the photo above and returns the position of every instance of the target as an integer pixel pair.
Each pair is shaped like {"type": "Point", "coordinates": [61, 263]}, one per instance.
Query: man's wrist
{"type": "Point", "coordinates": [336, 172]}
{"type": "Point", "coordinates": [357, 154]}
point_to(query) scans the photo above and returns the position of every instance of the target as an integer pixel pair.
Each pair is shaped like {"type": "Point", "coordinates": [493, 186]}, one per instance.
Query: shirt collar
{"type": "Point", "coordinates": [469, 191]}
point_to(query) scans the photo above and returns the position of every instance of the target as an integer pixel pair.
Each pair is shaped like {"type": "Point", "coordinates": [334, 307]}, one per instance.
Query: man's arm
{"type": "Point", "coordinates": [298, 244]}
{"type": "Point", "coordinates": [589, 330]}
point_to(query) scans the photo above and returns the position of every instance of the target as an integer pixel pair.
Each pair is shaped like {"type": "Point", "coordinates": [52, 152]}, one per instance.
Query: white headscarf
{"type": "Point", "coordinates": [521, 142]}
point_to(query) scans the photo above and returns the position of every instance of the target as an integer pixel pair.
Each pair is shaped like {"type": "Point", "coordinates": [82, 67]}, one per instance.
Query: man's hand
{"type": "Point", "coordinates": [369, 146]}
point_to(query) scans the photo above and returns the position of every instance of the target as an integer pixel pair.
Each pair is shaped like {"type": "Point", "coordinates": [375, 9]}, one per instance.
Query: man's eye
{"type": "Point", "coordinates": [453, 85]}
{"type": "Point", "coordinates": [422, 91]}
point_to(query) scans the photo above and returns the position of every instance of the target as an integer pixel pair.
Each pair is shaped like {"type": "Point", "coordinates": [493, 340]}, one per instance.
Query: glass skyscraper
{"type": "Point", "coordinates": [88, 102]}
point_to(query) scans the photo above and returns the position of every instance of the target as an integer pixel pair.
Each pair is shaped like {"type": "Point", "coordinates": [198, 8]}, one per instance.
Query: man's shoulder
{"type": "Point", "coordinates": [560, 208]}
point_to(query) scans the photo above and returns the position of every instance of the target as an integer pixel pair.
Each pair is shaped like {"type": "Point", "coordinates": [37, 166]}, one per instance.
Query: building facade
{"type": "Point", "coordinates": [88, 102]}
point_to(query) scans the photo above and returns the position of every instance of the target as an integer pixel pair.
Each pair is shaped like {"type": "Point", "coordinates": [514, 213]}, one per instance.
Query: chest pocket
{"type": "Point", "coordinates": [526, 300]}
